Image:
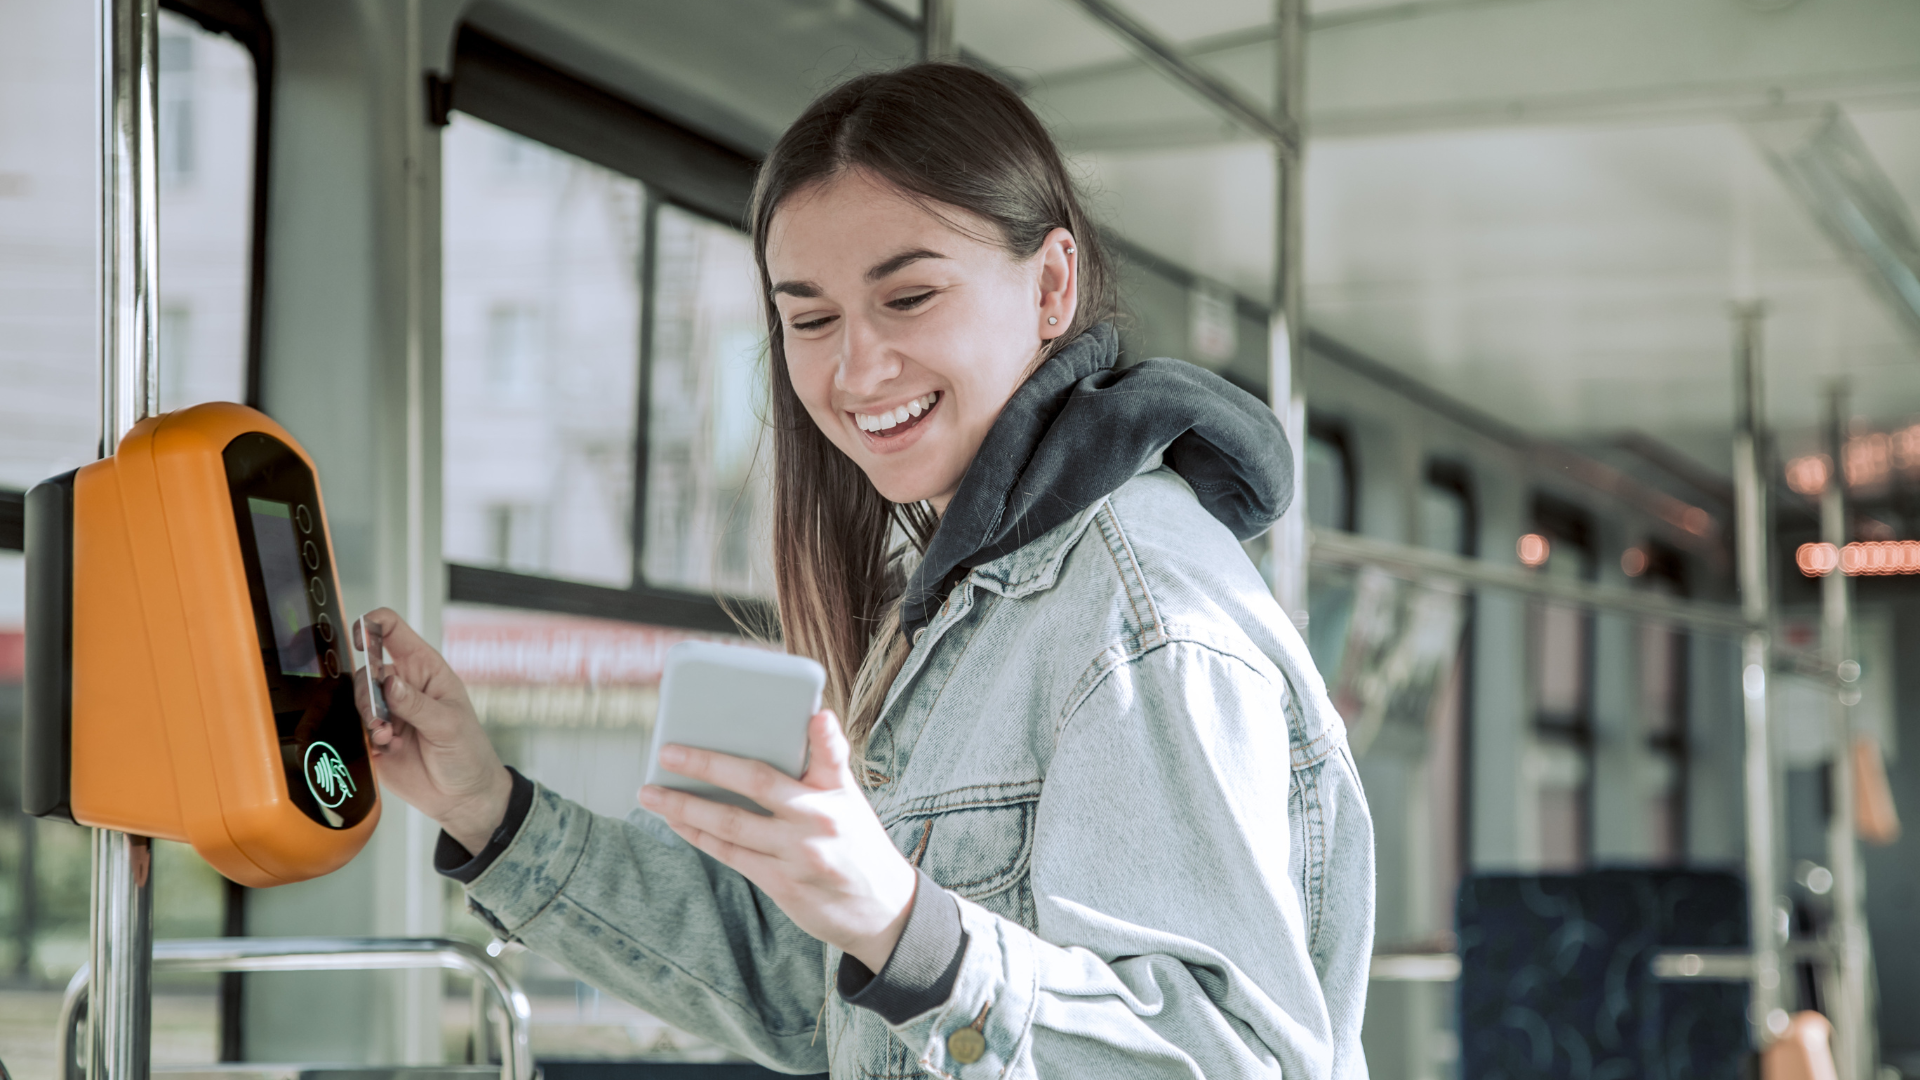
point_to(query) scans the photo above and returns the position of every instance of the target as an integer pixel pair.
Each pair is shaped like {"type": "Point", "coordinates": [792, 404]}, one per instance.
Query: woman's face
{"type": "Point", "coordinates": [905, 335]}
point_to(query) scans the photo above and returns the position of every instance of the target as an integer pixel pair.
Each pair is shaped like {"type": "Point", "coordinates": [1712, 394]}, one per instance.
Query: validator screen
{"type": "Point", "coordinates": [286, 580]}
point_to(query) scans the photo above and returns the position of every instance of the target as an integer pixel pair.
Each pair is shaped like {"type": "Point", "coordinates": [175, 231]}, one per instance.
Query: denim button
{"type": "Point", "coordinates": [966, 1045]}
{"type": "Point", "coordinates": [918, 634]}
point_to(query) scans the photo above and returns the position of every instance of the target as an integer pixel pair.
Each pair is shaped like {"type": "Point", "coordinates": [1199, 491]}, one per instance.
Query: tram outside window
{"type": "Point", "coordinates": [209, 119]}
{"type": "Point", "coordinates": [1560, 760]}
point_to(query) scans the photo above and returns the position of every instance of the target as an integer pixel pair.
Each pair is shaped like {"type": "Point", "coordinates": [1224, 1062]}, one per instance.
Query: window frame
{"type": "Point", "coordinates": [510, 88]}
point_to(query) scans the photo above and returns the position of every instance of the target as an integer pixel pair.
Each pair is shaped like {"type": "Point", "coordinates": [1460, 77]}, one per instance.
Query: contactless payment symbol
{"type": "Point", "coordinates": [327, 775]}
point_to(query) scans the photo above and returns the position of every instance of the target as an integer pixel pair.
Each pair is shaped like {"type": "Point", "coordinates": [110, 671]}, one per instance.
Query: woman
{"type": "Point", "coordinates": [1090, 813]}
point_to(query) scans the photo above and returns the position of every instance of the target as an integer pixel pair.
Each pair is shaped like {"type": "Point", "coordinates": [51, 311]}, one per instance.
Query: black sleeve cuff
{"type": "Point", "coordinates": [456, 862]}
{"type": "Point", "coordinates": [925, 963]}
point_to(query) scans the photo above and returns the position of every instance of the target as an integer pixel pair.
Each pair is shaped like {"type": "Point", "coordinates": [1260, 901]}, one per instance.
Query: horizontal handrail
{"type": "Point", "coordinates": [1333, 548]}
{"type": "Point", "coordinates": [1731, 965]}
{"type": "Point", "coordinates": [333, 954]}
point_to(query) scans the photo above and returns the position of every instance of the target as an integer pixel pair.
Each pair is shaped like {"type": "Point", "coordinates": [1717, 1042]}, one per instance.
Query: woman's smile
{"type": "Point", "coordinates": [890, 430]}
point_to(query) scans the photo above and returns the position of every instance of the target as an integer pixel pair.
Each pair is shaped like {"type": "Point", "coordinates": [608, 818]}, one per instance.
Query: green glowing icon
{"type": "Point", "coordinates": [327, 775]}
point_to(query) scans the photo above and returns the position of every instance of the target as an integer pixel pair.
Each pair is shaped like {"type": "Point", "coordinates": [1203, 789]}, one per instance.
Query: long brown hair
{"type": "Point", "coordinates": [945, 135]}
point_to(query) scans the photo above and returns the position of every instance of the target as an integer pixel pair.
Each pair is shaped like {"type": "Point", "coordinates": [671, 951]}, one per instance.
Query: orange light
{"type": "Point", "coordinates": [1816, 560]}
{"type": "Point", "coordinates": [1868, 459]}
{"type": "Point", "coordinates": [1808, 475]}
{"type": "Point", "coordinates": [1862, 558]}
{"type": "Point", "coordinates": [1633, 562]}
{"type": "Point", "coordinates": [1533, 550]}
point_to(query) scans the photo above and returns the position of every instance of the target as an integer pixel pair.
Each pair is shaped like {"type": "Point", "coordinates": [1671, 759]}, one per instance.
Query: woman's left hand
{"type": "Point", "coordinates": [822, 856]}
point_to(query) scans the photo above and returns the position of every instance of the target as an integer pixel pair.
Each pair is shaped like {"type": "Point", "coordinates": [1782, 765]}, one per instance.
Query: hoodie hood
{"type": "Point", "coordinates": [1077, 430]}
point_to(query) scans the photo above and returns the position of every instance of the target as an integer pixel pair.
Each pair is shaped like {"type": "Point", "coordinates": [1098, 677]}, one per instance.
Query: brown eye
{"type": "Point", "coordinates": [907, 303]}
{"type": "Point", "coordinates": [814, 324]}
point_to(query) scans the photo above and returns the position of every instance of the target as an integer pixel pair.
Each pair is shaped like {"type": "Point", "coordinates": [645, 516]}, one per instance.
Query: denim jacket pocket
{"type": "Point", "coordinates": [977, 842]}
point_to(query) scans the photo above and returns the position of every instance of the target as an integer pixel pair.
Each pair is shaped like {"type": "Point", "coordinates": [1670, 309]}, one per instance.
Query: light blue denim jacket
{"type": "Point", "coordinates": [1112, 745]}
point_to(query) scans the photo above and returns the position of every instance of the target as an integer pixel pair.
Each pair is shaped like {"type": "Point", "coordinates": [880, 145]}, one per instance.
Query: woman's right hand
{"type": "Point", "coordinates": [432, 751]}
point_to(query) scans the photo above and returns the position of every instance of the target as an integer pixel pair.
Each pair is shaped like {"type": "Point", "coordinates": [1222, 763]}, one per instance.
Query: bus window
{"type": "Point", "coordinates": [709, 497]}
{"type": "Point", "coordinates": [541, 339]}
{"type": "Point", "coordinates": [1329, 478]}
{"type": "Point", "coordinates": [206, 129]}
{"type": "Point", "coordinates": [1561, 765]}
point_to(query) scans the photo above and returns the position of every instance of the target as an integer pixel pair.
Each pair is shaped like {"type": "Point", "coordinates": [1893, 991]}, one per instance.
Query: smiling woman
{"type": "Point", "coordinates": [1048, 839]}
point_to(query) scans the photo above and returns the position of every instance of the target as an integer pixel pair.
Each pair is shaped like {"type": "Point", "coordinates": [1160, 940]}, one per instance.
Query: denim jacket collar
{"type": "Point", "coordinates": [1035, 567]}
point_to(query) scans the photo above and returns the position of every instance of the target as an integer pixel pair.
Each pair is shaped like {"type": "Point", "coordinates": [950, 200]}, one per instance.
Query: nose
{"type": "Point", "coordinates": [867, 362]}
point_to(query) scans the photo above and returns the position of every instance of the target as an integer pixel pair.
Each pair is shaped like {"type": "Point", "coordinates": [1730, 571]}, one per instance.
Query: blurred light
{"type": "Point", "coordinates": [1696, 521]}
{"type": "Point", "coordinates": [1533, 550]}
{"type": "Point", "coordinates": [1869, 458]}
{"type": "Point", "coordinates": [1817, 879]}
{"type": "Point", "coordinates": [1849, 671]}
{"type": "Point", "coordinates": [1862, 558]}
{"type": "Point", "coordinates": [1906, 449]}
{"type": "Point", "coordinates": [1633, 562]}
{"type": "Point", "coordinates": [1808, 475]}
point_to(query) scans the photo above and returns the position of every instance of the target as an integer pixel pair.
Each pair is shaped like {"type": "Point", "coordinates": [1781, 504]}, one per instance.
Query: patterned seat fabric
{"type": "Point", "coordinates": [1557, 976]}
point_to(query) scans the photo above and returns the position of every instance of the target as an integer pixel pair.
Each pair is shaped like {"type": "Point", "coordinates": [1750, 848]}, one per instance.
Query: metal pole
{"type": "Point", "coordinates": [129, 216]}
{"type": "Point", "coordinates": [1282, 127]}
{"type": "Point", "coordinates": [1847, 1007]}
{"type": "Point", "coordinates": [121, 922]}
{"type": "Point", "coordinates": [1766, 1016]}
{"type": "Point", "coordinates": [936, 30]}
{"type": "Point", "coordinates": [1286, 329]}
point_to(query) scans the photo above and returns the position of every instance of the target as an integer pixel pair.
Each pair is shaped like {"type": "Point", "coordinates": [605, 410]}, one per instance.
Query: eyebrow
{"type": "Point", "coordinates": [893, 264]}
{"type": "Point", "coordinates": [888, 266]}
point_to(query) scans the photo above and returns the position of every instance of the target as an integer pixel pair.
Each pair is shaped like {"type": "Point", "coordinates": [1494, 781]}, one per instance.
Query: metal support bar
{"type": "Point", "coordinates": [1286, 328]}
{"type": "Point", "coordinates": [129, 216]}
{"type": "Point", "coordinates": [1161, 55]}
{"type": "Point", "coordinates": [1418, 564]}
{"type": "Point", "coordinates": [513, 1029]}
{"type": "Point", "coordinates": [1847, 987]}
{"type": "Point", "coordinates": [1765, 1015]}
{"type": "Point", "coordinates": [121, 922]}
{"type": "Point", "coordinates": [936, 31]}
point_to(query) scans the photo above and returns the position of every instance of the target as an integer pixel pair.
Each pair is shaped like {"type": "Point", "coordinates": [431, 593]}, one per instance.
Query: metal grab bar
{"type": "Point", "coordinates": [332, 954]}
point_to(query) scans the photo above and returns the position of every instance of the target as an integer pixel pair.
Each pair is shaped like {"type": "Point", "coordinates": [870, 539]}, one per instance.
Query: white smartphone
{"type": "Point", "coordinates": [750, 703]}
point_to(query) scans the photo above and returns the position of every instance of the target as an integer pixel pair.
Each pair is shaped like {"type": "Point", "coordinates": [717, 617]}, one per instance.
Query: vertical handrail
{"type": "Point", "coordinates": [513, 1030]}
{"type": "Point", "coordinates": [1766, 1018]}
{"type": "Point", "coordinates": [120, 926]}
{"type": "Point", "coordinates": [1286, 329]}
{"type": "Point", "coordinates": [1852, 1050]}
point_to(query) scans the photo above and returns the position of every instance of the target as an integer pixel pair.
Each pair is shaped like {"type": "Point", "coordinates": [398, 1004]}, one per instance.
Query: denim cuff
{"type": "Point", "coordinates": [995, 994]}
{"type": "Point", "coordinates": [453, 860]}
{"type": "Point", "coordinates": [925, 963]}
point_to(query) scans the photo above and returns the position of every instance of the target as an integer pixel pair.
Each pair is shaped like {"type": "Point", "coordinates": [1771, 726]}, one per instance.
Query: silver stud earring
{"type": "Point", "coordinates": [1070, 249]}
{"type": "Point", "coordinates": [1051, 321]}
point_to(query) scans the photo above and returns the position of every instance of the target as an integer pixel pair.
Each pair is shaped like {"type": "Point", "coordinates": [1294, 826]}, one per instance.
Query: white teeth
{"type": "Point", "coordinates": [896, 416]}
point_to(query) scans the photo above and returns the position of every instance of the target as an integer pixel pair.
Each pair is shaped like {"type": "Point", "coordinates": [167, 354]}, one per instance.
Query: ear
{"type": "Point", "coordinates": [1059, 285]}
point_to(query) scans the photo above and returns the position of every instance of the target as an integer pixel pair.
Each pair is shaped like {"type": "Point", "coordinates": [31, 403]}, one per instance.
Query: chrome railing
{"type": "Point", "coordinates": [512, 1026]}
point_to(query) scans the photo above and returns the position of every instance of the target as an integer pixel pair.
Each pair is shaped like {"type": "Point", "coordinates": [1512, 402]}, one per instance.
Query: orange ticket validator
{"type": "Point", "coordinates": [188, 671]}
